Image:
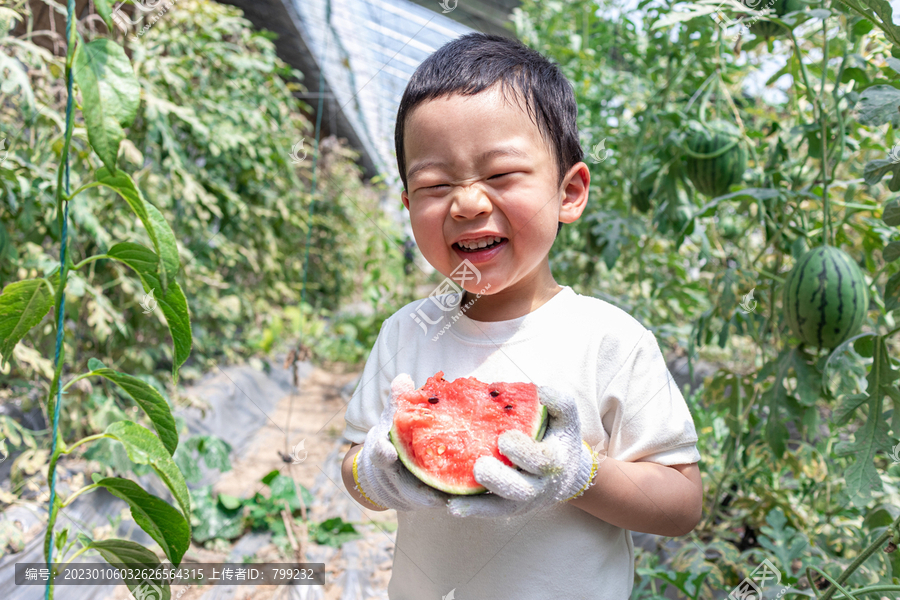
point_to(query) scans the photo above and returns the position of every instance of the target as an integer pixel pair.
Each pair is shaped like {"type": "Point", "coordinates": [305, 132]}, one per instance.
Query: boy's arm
{"type": "Point", "coordinates": [645, 496]}
{"type": "Point", "coordinates": [349, 483]}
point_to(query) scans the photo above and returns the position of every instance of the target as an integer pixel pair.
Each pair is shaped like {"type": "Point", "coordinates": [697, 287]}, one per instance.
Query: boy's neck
{"type": "Point", "coordinates": [508, 304]}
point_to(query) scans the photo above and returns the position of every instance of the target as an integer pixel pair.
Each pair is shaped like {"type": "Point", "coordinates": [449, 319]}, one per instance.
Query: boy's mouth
{"type": "Point", "coordinates": [481, 245]}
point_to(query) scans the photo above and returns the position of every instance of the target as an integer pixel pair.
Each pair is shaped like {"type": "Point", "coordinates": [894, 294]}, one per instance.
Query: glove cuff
{"type": "Point", "coordinates": [595, 464]}
{"type": "Point", "coordinates": [357, 484]}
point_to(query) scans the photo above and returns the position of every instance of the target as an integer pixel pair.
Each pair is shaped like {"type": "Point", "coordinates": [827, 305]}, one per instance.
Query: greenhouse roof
{"type": "Point", "coordinates": [367, 50]}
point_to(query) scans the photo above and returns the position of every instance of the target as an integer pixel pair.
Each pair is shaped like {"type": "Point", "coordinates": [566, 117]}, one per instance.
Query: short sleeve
{"type": "Point", "coordinates": [644, 412]}
{"type": "Point", "coordinates": [374, 388]}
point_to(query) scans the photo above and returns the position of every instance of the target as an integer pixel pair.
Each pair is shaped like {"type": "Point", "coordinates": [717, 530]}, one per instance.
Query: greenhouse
{"type": "Point", "coordinates": [449, 299]}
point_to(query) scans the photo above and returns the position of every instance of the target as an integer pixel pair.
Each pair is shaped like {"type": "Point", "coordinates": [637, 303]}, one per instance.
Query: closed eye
{"type": "Point", "coordinates": [432, 187]}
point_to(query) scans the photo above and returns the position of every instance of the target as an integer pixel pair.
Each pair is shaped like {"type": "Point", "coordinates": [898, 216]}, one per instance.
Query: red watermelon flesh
{"type": "Point", "coordinates": [442, 428]}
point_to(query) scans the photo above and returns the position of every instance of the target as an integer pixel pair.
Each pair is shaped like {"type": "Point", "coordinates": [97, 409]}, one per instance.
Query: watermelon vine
{"type": "Point", "coordinates": [110, 95]}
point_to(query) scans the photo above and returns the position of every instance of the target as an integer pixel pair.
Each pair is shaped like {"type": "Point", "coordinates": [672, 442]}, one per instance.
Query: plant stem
{"type": "Point", "coordinates": [62, 211]}
{"type": "Point", "coordinates": [863, 557]}
{"type": "Point", "coordinates": [770, 275]}
{"type": "Point", "coordinates": [870, 590]}
{"type": "Point", "coordinates": [74, 556]}
{"type": "Point", "coordinates": [74, 379]}
{"type": "Point", "coordinates": [89, 438]}
{"type": "Point", "coordinates": [827, 233]}
{"type": "Point", "coordinates": [809, 90]}
{"type": "Point", "coordinates": [89, 259]}
{"type": "Point", "coordinates": [82, 188]}
{"type": "Point", "coordinates": [77, 493]}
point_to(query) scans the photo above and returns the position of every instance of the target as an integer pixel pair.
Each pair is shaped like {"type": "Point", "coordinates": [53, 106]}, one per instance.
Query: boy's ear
{"type": "Point", "coordinates": [575, 186]}
{"type": "Point", "coordinates": [405, 199]}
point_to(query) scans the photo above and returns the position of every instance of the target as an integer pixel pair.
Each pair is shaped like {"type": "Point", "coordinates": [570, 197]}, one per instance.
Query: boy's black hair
{"type": "Point", "coordinates": [473, 63]}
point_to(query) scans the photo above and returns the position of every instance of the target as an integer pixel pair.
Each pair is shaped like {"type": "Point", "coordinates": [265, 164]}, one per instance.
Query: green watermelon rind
{"type": "Point", "coordinates": [843, 310]}
{"type": "Point", "coordinates": [713, 177]}
{"type": "Point", "coordinates": [434, 482]}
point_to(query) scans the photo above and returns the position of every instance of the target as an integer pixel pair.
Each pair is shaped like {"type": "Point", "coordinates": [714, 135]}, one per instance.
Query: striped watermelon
{"type": "Point", "coordinates": [765, 28]}
{"type": "Point", "coordinates": [825, 297]}
{"type": "Point", "coordinates": [713, 176]}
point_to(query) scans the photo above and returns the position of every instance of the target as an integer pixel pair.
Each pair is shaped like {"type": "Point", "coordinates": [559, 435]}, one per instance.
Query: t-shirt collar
{"type": "Point", "coordinates": [498, 331]}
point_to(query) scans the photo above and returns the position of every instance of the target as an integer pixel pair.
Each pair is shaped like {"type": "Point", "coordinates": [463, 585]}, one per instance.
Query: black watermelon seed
{"type": "Point", "coordinates": [433, 400]}
{"type": "Point", "coordinates": [508, 406]}
{"type": "Point", "coordinates": [495, 393]}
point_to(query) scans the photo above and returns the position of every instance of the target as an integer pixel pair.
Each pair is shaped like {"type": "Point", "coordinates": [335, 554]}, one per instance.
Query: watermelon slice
{"type": "Point", "coordinates": [442, 428]}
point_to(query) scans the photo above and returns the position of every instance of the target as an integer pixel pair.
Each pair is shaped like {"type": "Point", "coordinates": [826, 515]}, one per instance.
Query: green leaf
{"type": "Point", "coordinates": [891, 214]}
{"type": "Point", "coordinates": [110, 95]}
{"type": "Point", "coordinates": [892, 293]}
{"type": "Point", "coordinates": [876, 169]}
{"type": "Point", "coordinates": [212, 449]}
{"type": "Point", "coordinates": [861, 476]}
{"type": "Point", "coordinates": [157, 228]}
{"type": "Point", "coordinates": [282, 488]}
{"type": "Point", "coordinates": [891, 252]}
{"type": "Point", "coordinates": [230, 502]}
{"type": "Point", "coordinates": [173, 303]}
{"type": "Point", "coordinates": [105, 13]}
{"type": "Point", "coordinates": [782, 540]}
{"type": "Point", "coordinates": [150, 401]}
{"type": "Point", "coordinates": [215, 452]}
{"type": "Point", "coordinates": [23, 305]}
{"type": "Point", "coordinates": [158, 518]}
{"type": "Point", "coordinates": [269, 477]}
{"type": "Point", "coordinates": [144, 448]}
{"type": "Point", "coordinates": [213, 519]}
{"type": "Point", "coordinates": [333, 532]}
{"type": "Point", "coordinates": [95, 364]}
{"type": "Point", "coordinates": [166, 248]}
{"type": "Point", "coordinates": [880, 13]}
{"type": "Point", "coordinates": [809, 389]}
{"type": "Point", "coordinates": [128, 554]}
{"type": "Point", "coordinates": [879, 105]}
{"type": "Point", "coordinates": [847, 407]}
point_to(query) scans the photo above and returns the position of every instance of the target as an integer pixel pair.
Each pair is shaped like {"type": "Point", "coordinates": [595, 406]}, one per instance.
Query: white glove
{"type": "Point", "coordinates": [559, 468]}
{"type": "Point", "coordinates": [380, 476]}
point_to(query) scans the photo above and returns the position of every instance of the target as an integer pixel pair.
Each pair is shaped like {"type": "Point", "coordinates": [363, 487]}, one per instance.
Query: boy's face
{"type": "Point", "coordinates": [477, 168]}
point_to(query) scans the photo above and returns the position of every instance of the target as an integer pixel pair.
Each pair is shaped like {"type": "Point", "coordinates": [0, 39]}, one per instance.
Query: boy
{"type": "Point", "coordinates": [488, 152]}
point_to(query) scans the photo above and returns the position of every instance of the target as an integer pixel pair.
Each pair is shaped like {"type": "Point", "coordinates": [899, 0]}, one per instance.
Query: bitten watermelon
{"type": "Point", "coordinates": [442, 428]}
{"type": "Point", "coordinates": [825, 297]}
{"type": "Point", "coordinates": [716, 157]}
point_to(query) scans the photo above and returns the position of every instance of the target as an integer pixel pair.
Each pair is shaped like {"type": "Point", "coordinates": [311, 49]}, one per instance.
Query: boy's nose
{"type": "Point", "coordinates": [469, 202]}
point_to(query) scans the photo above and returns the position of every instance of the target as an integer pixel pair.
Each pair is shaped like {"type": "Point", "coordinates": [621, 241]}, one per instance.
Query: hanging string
{"type": "Point", "coordinates": [61, 309]}
{"type": "Point", "coordinates": [312, 203]}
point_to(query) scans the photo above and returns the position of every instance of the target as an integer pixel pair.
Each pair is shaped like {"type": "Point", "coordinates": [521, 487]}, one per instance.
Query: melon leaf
{"type": "Point", "coordinates": [778, 398]}
{"type": "Point", "coordinates": [878, 105]}
{"type": "Point", "coordinates": [892, 293]}
{"type": "Point", "coordinates": [876, 169]}
{"type": "Point", "coordinates": [862, 478]}
{"type": "Point", "coordinates": [891, 214]}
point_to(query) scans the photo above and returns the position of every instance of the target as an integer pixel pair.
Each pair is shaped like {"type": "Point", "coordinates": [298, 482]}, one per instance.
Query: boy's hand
{"type": "Point", "coordinates": [379, 474]}
{"type": "Point", "coordinates": [556, 469]}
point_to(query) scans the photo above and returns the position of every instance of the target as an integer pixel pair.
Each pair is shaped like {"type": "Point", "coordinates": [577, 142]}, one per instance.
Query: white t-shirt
{"type": "Point", "coordinates": [626, 397]}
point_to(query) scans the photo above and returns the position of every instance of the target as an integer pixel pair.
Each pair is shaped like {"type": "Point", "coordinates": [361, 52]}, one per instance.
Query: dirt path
{"type": "Point", "coordinates": [315, 417]}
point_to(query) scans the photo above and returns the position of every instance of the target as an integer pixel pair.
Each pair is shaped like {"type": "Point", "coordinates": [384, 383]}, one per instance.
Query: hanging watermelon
{"type": "Point", "coordinates": [825, 297]}
{"type": "Point", "coordinates": [765, 28]}
{"type": "Point", "coordinates": [642, 189]}
{"type": "Point", "coordinates": [716, 157]}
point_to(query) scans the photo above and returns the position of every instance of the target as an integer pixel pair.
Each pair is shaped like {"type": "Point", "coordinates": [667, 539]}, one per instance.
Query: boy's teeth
{"type": "Point", "coordinates": [482, 243]}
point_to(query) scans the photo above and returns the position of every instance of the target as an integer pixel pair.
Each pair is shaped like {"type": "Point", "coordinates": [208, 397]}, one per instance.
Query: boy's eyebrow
{"type": "Point", "coordinates": [504, 151]}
